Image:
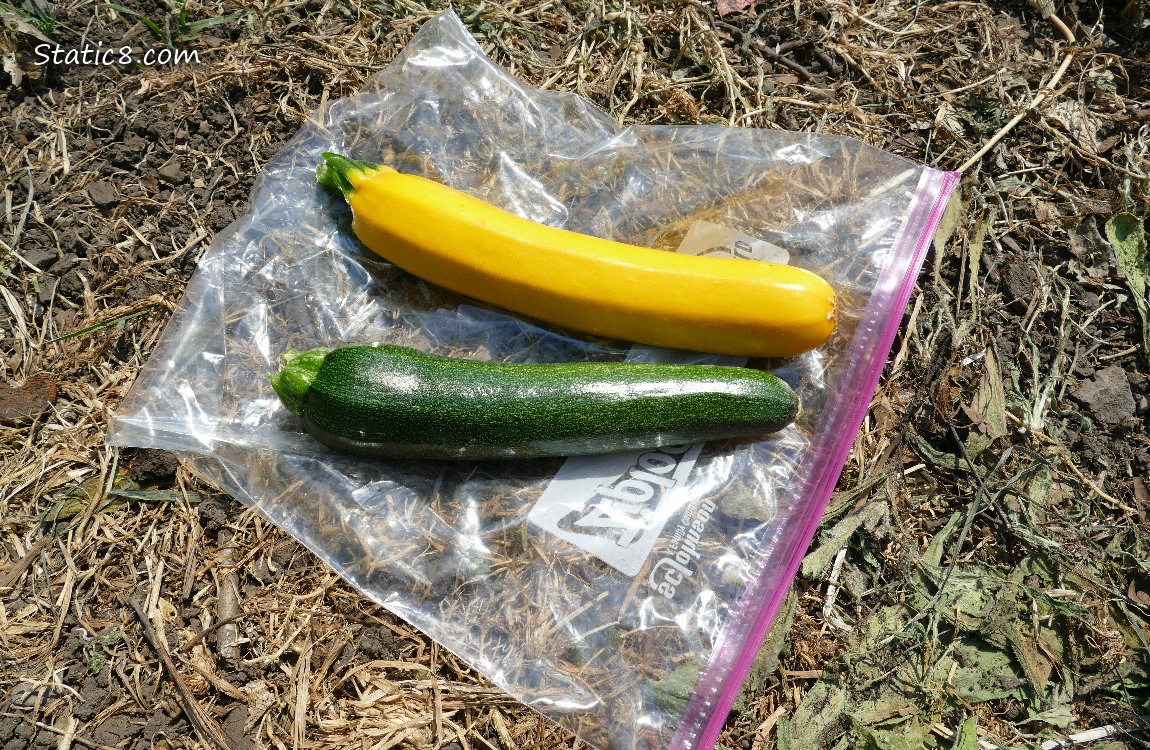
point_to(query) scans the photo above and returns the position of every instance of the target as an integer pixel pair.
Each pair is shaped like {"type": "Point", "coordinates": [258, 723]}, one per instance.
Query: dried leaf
{"type": "Point", "coordinates": [1038, 493]}
{"type": "Point", "coordinates": [157, 496]}
{"type": "Point", "coordinates": [887, 706]}
{"type": "Point", "coordinates": [767, 660]}
{"type": "Point", "coordinates": [974, 249]}
{"type": "Point", "coordinates": [969, 595]}
{"type": "Point", "coordinates": [946, 120]}
{"type": "Point", "coordinates": [1078, 121]}
{"type": "Point", "coordinates": [1035, 665]}
{"type": "Point", "coordinates": [1142, 495]}
{"type": "Point", "coordinates": [976, 442]}
{"type": "Point", "coordinates": [726, 7]}
{"type": "Point", "coordinates": [672, 693]}
{"type": "Point", "coordinates": [13, 69]}
{"type": "Point", "coordinates": [1139, 596]}
{"type": "Point", "coordinates": [906, 736]}
{"type": "Point", "coordinates": [978, 672]}
{"type": "Point", "coordinates": [990, 401]}
{"type": "Point", "coordinates": [78, 497]}
{"type": "Point", "coordinates": [815, 562]}
{"type": "Point", "coordinates": [967, 736]}
{"type": "Point", "coordinates": [948, 223]}
{"type": "Point", "coordinates": [1059, 716]}
{"type": "Point", "coordinates": [935, 457]}
{"type": "Point", "coordinates": [1127, 237]}
{"type": "Point", "coordinates": [10, 18]}
{"type": "Point", "coordinates": [822, 707]}
{"type": "Point", "coordinates": [25, 401]}
{"type": "Point", "coordinates": [261, 699]}
{"type": "Point", "coordinates": [933, 555]}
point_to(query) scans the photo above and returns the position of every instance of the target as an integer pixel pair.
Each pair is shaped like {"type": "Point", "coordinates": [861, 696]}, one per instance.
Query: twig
{"type": "Point", "coordinates": [1095, 488]}
{"type": "Point", "coordinates": [479, 738]}
{"type": "Point", "coordinates": [4, 246]}
{"type": "Point", "coordinates": [195, 639]}
{"type": "Point", "coordinates": [767, 52]}
{"type": "Point", "coordinates": [763, 731]}
{"type": "Point", "coordinates": [1050, 14]}
{"type": "Point", "coordinates": [201, 662]}
{"type": "Point", "coordinates": [829, 613]}
{"type": "Point", "coordinates": [1047, 10]}
{"type": "Point", "coordinates": [1098, 733]}
{"type": "Point", "coordinates": [190, 571]}
{"type": "Point", "coordinates": [65, 600]}
{"type": "Point", "coordinates": [62, 732]}
{"type": "Point", "coordinates": [227, 600]}
{"type": "Point", "coordinates": [206, 727]}
{"type": "Point", "coordinates": [12, 575]}
{"type": "Point", "coordinates": [302, 676]}
{"type": "Point", "coordinates": [831, 64]}
{"type": "Point", "coordinates": [297, 51]}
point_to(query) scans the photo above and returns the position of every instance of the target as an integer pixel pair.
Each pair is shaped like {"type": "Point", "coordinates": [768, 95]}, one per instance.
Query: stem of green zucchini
{"type": "Point", "coordinates": [333, 170]}
{"type": "Point", "coordinates": [291, 383]}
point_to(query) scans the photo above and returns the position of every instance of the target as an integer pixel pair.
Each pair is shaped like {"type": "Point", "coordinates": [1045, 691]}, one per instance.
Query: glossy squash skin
{"type": "Point", "coordinates": [700, 303]}
{"type": "Point", "coordinates": [390, 401]}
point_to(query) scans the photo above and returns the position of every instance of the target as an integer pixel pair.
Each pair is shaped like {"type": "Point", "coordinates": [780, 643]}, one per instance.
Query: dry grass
{"type": "Point", "coordinates": [253, 640]}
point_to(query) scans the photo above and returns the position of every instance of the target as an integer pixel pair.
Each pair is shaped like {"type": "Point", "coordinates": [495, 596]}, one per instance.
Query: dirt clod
{"type": "Point", "coordinates": [376, 644]}
{"type": "Point", "coordinates": [66, 263]}
{"type": "Point", "coordinates": [172, 173]}
{"type": "Point", "coordinates": [1021, 283]}
{"type": "Point", "coordinates": [234, 726]}
{"type": "Point", "coordinates": [103, 194]}
{"type": "Point", "coordinates": [1107, 396]}
{"type": "Point", "coordinates": [114, 730]}
{"type": "Point", "coordinates": [150, 466]}
{"type": "Point", "coordinates": [41, 257]}
{"type": "Point", "coordinates": [213, 515]}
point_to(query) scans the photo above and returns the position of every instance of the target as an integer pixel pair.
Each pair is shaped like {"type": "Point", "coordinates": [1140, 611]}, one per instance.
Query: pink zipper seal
{"type": "Point", "coordinates": [751, 618]}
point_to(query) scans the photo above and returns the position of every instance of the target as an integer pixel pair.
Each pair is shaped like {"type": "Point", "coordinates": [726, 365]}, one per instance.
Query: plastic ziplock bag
{"type": "Point", "coordinates": [623, 596]}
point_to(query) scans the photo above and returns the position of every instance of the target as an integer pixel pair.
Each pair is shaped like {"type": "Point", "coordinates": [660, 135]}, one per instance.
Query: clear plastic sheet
{"type": "Point", "coordinates": [633, 632]}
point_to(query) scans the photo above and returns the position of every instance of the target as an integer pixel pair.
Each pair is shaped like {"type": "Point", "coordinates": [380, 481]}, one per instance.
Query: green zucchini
{"type": "Point", "coordinates": [386, 401]}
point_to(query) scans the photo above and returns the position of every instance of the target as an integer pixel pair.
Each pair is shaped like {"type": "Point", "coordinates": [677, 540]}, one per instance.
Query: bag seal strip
{"type": "Point", "coordinates": [743, 636]}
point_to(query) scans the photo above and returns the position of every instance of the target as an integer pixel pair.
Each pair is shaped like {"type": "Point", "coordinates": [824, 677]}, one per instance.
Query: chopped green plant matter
{"type": "Point", "coordinates": [394, 401]}
{"type": "Point", "coordinates": [1127, 237]}
{"type": "Point", "coordinates": [671, 694]}
{"type": "Point", "coordinates": [174, 28]}
{"type": "Point", "coordinates": [33, 13]}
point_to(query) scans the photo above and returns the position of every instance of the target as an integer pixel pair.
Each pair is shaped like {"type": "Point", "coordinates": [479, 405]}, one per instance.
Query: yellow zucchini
{"type": "Point", "coordinates": [597, 286]}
